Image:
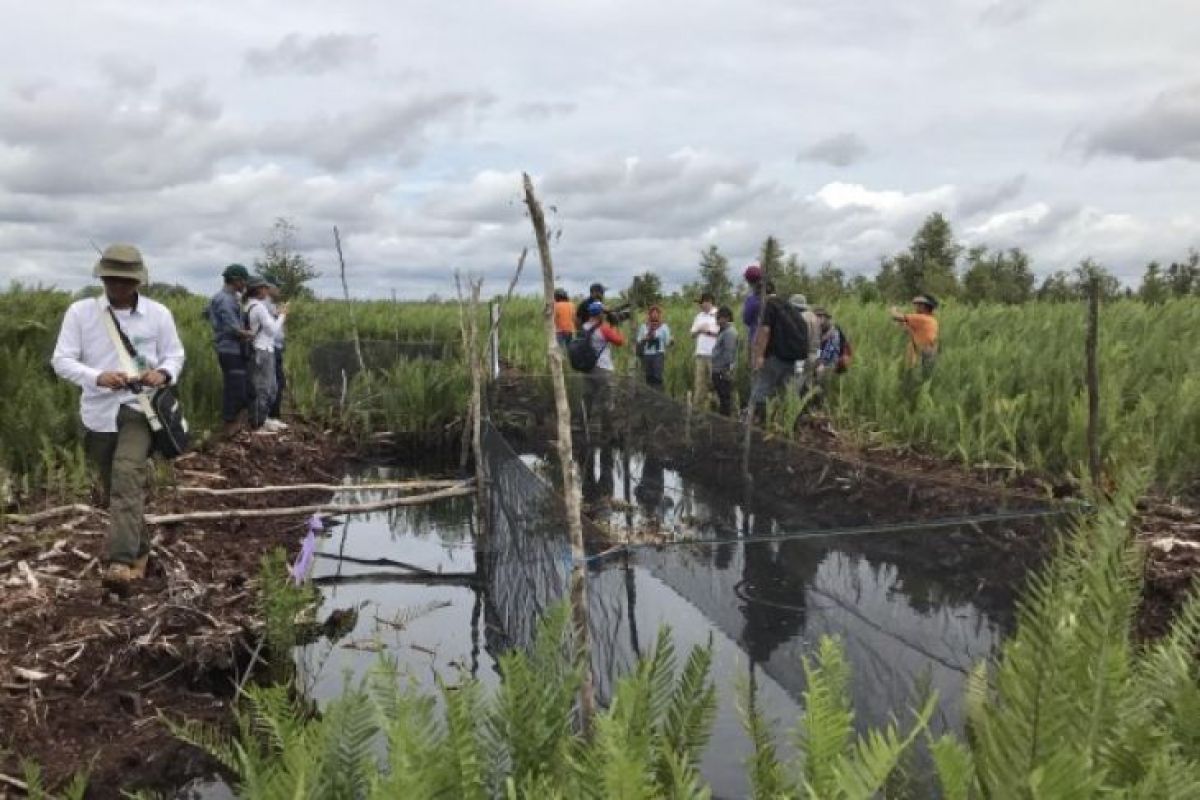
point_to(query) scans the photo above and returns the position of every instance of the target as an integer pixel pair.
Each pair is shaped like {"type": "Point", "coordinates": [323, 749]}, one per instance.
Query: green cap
{"type": "Point", "coordinates": [236, 272]}
{"type": "Point", "coordinates": [121, 261]}
{"type": "Point", "coordinates": [257, 282]}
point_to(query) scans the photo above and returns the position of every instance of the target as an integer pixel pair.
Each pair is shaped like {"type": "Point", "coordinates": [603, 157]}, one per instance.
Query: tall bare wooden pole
{"type": "Point", "coordinates": [1093, 380]}
{"type": "Point", "coordinates": [579, 593]}
{"type": "Point", "coordinates": [337, 241]}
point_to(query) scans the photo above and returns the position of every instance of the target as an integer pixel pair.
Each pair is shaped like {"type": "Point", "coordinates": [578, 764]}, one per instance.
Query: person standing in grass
{"type": "Point", "coordinates": [117, 434]}
{"type": "Point", "coordinates": [597, 384]}
{"type": "Point", "coordinates": [922, 329]}
{"type": "Point", "coordinates": [752, 305]}
{"type": "Point", "coordinates": [780, 341]}
{"type": "Point", "coordinates": [564, 318]}
{"type": "Point", "coordinates": [724, 359]}
{"type": "Point", "coordinates": [264, 326]}
{"type": "Point", "coordinates": [829, 359]}
{"type": "Point", "coordinates": [276, 410]}
{"type": "Point", "coordinates": [653, 338]}
{"type": "Point", "coordinates": [704, 332]}
{"type": "Point", "coordinates": [230, 338]}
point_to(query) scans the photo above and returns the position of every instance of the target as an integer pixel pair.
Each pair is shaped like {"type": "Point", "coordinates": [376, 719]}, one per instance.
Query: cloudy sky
{"type": "Point", "coordinates": [652, 128]}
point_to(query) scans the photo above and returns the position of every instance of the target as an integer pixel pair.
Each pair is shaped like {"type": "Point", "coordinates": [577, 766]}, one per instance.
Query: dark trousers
{"type": "Point", "coordinates": [235, 395]}
{"type": "Point", "coordinates": [120, 458]}
{"type": "Point", "coordinates": [722, 384]}
{"type": "Point", "coordinates": [652, 364]}
{"type": "Point", "coordinates": [280, 383]}
{"type": "Point", "coordinates": [564, 338]}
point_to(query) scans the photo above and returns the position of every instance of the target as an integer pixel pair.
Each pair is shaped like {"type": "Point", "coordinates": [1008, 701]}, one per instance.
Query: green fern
{"type": "Point", "coordinates": [824, 738]}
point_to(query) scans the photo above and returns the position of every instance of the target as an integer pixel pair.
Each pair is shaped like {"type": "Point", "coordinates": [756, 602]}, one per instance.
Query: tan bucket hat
{"type": "Point", "coordinates": [121, 261]}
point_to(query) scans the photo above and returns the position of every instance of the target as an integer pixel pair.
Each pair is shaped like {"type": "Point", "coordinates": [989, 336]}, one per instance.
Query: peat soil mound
{"type": "Point", "coordinates": [85, 674]}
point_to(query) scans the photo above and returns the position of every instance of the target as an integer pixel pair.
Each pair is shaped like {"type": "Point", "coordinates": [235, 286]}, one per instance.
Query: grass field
{"type": "Point", "coordinates": [1008, 388]}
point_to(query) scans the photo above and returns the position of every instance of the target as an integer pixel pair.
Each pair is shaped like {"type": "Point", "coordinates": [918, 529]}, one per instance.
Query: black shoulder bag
{"type": "Point", "coordinates": [168, 426]}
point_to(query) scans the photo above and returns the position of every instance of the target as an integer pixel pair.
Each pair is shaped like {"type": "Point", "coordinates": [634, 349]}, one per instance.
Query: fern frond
{"type": "Point", "coordinates": [464, 710]}
{"type": "Point", "coordinates": [205, 738]}
{"type": "Point", "coordinates": [861, 774]}
{"type": "Point", "coordinates": [954, 767]}
{"type": "Point", "coordinates": [688, 720]}
{"type": "Point", "coordinates": [828, 722]}
{"type": "Point", "coordinates": [767, 778]}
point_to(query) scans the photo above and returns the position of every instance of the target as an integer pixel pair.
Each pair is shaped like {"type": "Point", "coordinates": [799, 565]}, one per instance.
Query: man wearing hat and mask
{"type": "Point", "coordinates": [118, 438]}
{"type": "Point", "coordinates": [229, 339]}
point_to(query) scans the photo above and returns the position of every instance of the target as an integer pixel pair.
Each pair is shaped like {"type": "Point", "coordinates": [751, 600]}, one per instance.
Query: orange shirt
{"type": "Point", "coordinates": [923, 335]}
{"type": "Point", "coordinates": [564, 316]}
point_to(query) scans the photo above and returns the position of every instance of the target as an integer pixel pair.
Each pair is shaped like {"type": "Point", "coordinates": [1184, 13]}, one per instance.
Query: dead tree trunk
{"type": "Point", "coordinates": [1095, 464]}
{"type": "Point", "coordinates": [337, 241]}
{"type": "Point", "coordinates": [468, 306]}
{"type": "Point", "coordinates": [579, 593]}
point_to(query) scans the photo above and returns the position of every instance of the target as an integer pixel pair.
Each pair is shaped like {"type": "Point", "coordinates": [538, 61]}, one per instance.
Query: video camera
{"type": "Point", "coordinates": [616, 316]}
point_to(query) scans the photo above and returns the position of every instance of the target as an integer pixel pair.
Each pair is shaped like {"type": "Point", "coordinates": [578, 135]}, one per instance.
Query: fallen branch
{"type": "Point", "coordinates": [13, 782]}
{"type": "Point", "coordinates": [400, 486]}
{"type": "Point", "coordinates": [459, 490]}
{"type": "Point", "coordinates": [49, 513]}
{"type": "Point", "coordinates": [379, 562]}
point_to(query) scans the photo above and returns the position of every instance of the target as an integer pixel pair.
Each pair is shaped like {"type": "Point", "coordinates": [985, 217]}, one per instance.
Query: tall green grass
{"type": "Point", "coordinates": [1007, 390]}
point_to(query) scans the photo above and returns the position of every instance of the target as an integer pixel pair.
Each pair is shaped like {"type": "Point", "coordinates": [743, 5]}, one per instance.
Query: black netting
{"type": "Point", "coordinates": [329, 360]}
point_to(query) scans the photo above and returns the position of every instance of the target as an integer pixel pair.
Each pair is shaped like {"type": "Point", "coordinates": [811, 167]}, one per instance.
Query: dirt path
{"type": "Point", "coordinates": [85, 674]}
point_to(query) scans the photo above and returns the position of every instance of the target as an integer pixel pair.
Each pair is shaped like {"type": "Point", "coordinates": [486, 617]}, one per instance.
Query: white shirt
{"type": "Point", "coordinates": [84, 350]}
{"type": "Point", "coordinates": [279, 336]}
{"type": "Point", "coordinates": [265, 326]}
{"type": "Point", "coordinates": [706, 325]}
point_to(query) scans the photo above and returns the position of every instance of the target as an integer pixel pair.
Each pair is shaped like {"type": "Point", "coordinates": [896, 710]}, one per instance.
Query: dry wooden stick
{"type": "Point", "coordinates": [570, 477]}
{"type": "Point", "coordinates": [324, 487]}
{"type": "Point", "coordinates": [49, 513]}
{"type": "Point", "coordinates": [458, 490]}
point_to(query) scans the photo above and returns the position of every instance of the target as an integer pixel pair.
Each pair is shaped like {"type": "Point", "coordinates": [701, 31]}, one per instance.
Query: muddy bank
{"type": "Point", "coordinates": [85, 674]}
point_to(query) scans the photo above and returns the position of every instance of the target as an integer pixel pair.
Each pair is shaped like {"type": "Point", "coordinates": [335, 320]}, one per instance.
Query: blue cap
{"type": "Point", "coordinates": [595, 307]}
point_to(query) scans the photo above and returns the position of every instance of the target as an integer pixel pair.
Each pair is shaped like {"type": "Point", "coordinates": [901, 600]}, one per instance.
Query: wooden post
{"type": "Point", "coordinates": [337, 241]}
{"type": "Point", "coordinates": [1095, 465]}
{"type": "Point", "coordinates": [579, 593]}
{"type": "Point", "coordinates": [468, 306]}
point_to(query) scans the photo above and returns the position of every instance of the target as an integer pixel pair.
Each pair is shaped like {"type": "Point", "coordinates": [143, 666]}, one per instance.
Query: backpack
{"type": "Point", "coordinates": [582, 355]}
{"type": "Point", "coordinates": [789, 334]}
{"type": "Point", "coordinates": [847, 355]}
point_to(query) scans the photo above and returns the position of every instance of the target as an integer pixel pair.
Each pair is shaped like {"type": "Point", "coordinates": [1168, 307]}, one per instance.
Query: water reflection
{"type": "Point", "coordinates": [915, 607]}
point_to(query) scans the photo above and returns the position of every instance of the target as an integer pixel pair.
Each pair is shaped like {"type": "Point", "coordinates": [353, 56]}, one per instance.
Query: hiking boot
{"type": "Point", "coordinates": [138, 568]}
{"type": "Point", "coordinates": [118, 576]}
{"type": "Point", "coordinates": [275, 425]}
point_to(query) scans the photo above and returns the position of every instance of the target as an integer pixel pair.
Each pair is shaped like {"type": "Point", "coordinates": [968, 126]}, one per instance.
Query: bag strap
{"type": "Point", "coordinates": [125, 353]}
{"type": "Point", "coordinates": [594, 331]}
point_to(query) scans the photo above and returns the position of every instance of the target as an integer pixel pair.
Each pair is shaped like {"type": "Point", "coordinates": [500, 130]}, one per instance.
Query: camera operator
{"type": "Point", "coordinates": [595, 295]}
{"type": "Point", "coordinates": [597, 390]}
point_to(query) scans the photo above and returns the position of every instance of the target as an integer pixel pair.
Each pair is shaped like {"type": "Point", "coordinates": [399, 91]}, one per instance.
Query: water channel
{"type": "Point", "coordinates": [918, 593]}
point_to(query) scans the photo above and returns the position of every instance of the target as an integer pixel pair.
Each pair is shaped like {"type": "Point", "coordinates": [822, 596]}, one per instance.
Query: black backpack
{"type": "Point", "coordinates": [789, 333]}
{"type": "Point", "coordinates": [582, 355]}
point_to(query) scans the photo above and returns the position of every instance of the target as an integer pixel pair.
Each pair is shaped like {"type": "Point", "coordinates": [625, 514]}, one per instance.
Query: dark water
{"type": "Point", "coordinates": [915, 605]}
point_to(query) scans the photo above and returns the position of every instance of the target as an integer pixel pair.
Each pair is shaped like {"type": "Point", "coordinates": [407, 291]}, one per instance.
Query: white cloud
{"type": "Point", "coordinates": [312, 56]}
{"type": "Point", "coordinates": [409, 124]}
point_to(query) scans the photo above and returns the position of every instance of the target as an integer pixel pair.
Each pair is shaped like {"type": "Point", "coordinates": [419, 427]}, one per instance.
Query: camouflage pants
{"type": "Point", "coordinates": [121, 460]}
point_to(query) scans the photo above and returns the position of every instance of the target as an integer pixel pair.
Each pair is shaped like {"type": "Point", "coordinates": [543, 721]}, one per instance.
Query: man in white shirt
{"type": "Point", "coordinates": [264, 326]}
{"type": "Point", "coordinates": [117, 438]}
{"type": "Point", "coordinates": [704, 331]}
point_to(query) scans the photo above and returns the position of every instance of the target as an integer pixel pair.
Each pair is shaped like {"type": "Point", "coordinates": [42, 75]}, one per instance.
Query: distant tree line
{"type": "Point", "coordinates": [933, 262]}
